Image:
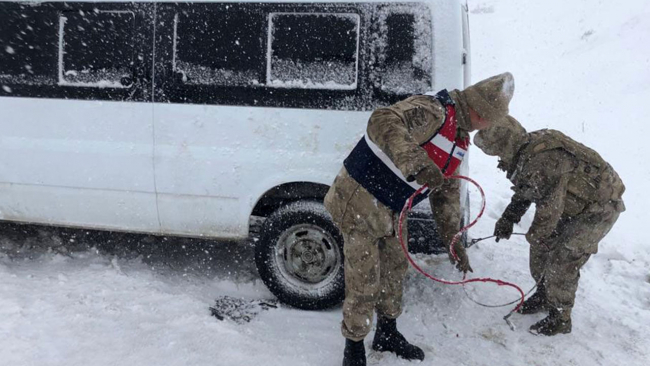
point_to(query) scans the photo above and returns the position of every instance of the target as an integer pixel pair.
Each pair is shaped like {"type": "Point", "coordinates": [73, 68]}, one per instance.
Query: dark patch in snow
{"type": "Point", "coordinates": [240, 310]}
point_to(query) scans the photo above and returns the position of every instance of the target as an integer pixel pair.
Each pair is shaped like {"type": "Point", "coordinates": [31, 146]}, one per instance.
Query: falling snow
{"type": "Point", "coordinates": [145, 301]}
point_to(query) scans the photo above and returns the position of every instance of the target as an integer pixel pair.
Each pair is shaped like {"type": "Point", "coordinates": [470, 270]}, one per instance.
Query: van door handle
{"type": "Point", "coordinates": [180, 77]}
{"type": "Point", "coordinates": [126, 81]}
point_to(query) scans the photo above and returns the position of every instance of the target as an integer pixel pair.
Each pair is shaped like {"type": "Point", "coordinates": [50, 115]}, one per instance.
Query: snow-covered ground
{"type": "Point", "coordinates": [582, 67]}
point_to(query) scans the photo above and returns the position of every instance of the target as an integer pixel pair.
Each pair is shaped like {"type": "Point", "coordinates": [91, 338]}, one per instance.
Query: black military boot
{"type": "Point", "coordinates": [535, 303]}
{"type": "Point", "coordinates": [557, 322]}
{"type": "Point", "coordinates": [389, 339]}
{"type": "Point", "coordinates": [354, 354]}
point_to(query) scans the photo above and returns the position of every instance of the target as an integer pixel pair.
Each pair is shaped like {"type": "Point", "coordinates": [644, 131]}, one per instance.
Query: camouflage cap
{"type": "Point", "coordinates": [503, 139]}
{"type": "Point", "coordinates": [490, 97]}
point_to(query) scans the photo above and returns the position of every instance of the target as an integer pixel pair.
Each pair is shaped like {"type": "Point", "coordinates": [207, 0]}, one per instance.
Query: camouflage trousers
{"type": "Point", "coordinates": [374, 263]}
{"type": "Point", "coordinates": [557, 262]}
{"type": "Point", "coordinates": [375, 268]}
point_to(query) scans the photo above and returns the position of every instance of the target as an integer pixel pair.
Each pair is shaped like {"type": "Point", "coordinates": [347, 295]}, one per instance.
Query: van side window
{"type": "Point", "coordinates": [222, 47]}
{"type": "Point", "coordinates": [27, 45]}
{"type": "Point", "coordinates": [400, 47]}
{"type": "Point", "coordinates": [405, 50]}
{"type": "Point", "coordinates": [96, 49]}
{"type": "Point", "coordinates": [313, 51]}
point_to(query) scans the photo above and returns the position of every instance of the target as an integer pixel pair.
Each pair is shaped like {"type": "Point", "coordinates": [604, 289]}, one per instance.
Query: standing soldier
{"type": "Point", "coordinates": [577, 196]}
{"type": "Point", "coordinates": [414, 142]}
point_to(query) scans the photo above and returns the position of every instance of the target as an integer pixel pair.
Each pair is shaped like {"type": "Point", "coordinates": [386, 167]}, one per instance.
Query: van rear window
{"type": "Point", "coordinates": [313, 51]}
{"type": "Point", "coordinates": [96, 48]}
{"type": "Point", "coordinates": [219, 47]}
{"type": "Point", "coordinates": [404, 41]}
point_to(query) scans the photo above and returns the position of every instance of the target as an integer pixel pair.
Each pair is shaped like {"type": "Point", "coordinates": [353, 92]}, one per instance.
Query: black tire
{"type": "Point", "coordinates": [300, 256]}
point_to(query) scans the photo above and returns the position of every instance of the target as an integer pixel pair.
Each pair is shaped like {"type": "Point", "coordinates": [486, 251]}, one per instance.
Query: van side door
{"type": "Point", "coordinates": [198, 137]}
{"type": "Point", "coordinates": [76, 132]}
{"type": "Point", "coordinates": [250, 96]}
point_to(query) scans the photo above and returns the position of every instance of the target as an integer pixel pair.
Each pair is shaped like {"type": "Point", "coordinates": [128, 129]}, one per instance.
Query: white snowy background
{"type": "Point", "coordinates": [581, 66]}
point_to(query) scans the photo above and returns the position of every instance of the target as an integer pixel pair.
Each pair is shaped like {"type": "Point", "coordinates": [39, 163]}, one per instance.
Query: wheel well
{"type": "Point", "coordinates": [281, 195]}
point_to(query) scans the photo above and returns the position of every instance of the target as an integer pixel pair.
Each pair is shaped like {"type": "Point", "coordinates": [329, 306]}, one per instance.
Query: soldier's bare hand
{"type": "Point", "coordinates": [503, 229]}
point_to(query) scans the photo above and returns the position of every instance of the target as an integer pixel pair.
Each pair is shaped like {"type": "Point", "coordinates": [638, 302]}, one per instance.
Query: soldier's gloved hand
{"type": "Point", "coordinates": [503, 229]}
{"type": "Point", "coordinates": [431, 176]}
{"type": "Point", "coordinates": [463, 260]}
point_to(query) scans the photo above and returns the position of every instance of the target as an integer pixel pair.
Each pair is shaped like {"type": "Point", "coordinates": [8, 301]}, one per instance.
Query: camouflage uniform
{"type": "Point", "coordinates": [375, 266]}
{"type": "Point", "coordinates": [577, 196]}
{"type": "Point", "coordinates": [374, 263]}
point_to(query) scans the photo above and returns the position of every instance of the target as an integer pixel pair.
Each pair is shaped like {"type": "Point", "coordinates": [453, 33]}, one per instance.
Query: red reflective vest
{"type": "Point", "coordinates": [445, 148]}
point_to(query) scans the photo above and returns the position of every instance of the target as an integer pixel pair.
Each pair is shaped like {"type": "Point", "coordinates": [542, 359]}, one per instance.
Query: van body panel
{"type": "Point", "coordinates": [79, 163]}
{"type": "Point", "coordinates": [447, 45]}
{"type": "Point", "coordinates": [79, 207]}
{"type": "Point", "coordinates": [214, 162]}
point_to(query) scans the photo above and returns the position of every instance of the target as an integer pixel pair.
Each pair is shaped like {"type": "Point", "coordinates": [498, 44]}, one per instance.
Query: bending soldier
{"type": "Point", "coordinates": [414, 142]}
{"type": "Point", "coordinates": [577, 196]}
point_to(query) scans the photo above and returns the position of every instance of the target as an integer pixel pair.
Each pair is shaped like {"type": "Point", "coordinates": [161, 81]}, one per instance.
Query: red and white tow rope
{"type": "Point", "coordinates": [407, 207]}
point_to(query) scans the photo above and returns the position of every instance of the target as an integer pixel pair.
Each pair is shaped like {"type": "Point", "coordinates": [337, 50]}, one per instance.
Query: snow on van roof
{"type": "Point", "coordinates": [319, 1]}
{"type": "Point", "coordinates": [433, 2]}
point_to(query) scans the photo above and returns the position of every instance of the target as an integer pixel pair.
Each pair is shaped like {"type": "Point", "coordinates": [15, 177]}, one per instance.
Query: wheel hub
{"type": "Point", "coordinates": [308, 257]}
{"type": "Point", "coordinates": [308, 254]}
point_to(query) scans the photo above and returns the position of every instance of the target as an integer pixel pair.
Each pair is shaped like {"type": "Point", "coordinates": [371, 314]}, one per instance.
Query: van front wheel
{"type": "Point", "coordinates": [300, 256]}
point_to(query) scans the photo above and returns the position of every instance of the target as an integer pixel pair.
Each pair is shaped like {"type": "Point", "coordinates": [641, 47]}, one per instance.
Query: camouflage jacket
{"type": "Point", "coordinates": [562, 177]}
{"type": "Point", "coordinates": [399, 130]}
